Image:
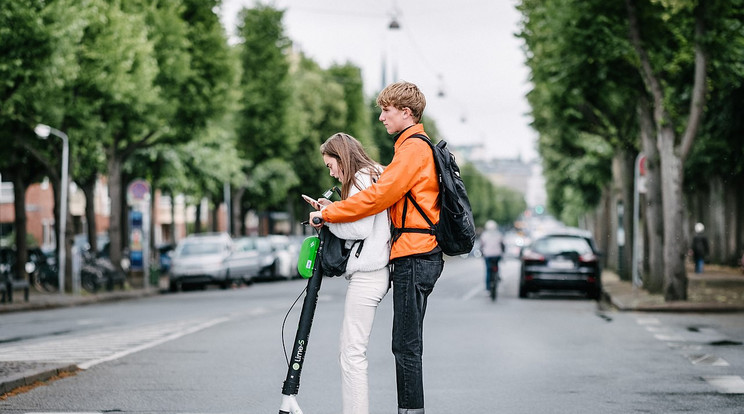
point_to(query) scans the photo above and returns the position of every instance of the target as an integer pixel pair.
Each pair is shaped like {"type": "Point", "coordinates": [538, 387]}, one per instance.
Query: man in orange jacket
{"type": "Point", "coordinates": [415, 257]}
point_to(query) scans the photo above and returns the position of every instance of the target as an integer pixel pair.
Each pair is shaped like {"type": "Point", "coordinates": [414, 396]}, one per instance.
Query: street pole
{"type": "Point", "coordinates": [636, 213]}
{"type": "Point", "coordinates": [228, 208]}
{"type": "Point", "coordinates": [43, 132]}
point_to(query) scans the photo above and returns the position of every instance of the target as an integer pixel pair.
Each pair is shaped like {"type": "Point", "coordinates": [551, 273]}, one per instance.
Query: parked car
{"type": "Point", "coordinates": [285, 256]}
{"type": "Point", "coordinates": [566, 259]}
{"type": "Point", "coordinates": [199, 259]}
{"type": "Point", "coordinates": [251, 256]}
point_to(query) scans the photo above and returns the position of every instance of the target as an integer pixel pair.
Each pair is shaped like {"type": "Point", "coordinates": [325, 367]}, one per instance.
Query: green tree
{"type": "Point", "coordinates": [154, 73]}
{"type": "Point", "coordinates": [661, 51]}
{"type": "Point", "coordinates": [36, 44]}
{"type": "Point", "coordinates": [675, 79]}
{"type": "Point", "coordinates": [383, 141]}
{"type": "Point", "coordinates": [357, 122]}
{"type": "Point", "coordinates": [262, 128]}
{"type": "Point", "coordinates": [319, 109]}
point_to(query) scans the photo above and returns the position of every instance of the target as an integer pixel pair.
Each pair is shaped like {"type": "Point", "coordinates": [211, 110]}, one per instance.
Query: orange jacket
{"type": "Point", "coordinates": [412, 169]}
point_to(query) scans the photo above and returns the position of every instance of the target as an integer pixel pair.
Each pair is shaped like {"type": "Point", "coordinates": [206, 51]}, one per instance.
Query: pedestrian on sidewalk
{"type": "Point", "coordinates": [699, 247]}
{"type": "Point", "coordinates": [415, 257]}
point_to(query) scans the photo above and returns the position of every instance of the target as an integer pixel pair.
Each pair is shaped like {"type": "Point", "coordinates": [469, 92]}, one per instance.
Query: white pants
{"type": "Point", "coordinates": [366, 290]}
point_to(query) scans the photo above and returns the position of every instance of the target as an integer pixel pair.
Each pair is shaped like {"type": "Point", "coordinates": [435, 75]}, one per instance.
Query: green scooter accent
{"type": "Point", "coordinates": [306, 259]}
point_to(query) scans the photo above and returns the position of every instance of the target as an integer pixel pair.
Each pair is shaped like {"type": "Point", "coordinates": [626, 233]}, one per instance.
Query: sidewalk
{"type": "Point", "coordinates": [718, 289]}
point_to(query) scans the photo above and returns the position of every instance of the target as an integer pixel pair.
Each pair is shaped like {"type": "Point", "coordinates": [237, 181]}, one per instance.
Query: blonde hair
{"type": "Point", "coordinates": [351, 158]}
{"type": "Point", "coordinates": [403, 95]}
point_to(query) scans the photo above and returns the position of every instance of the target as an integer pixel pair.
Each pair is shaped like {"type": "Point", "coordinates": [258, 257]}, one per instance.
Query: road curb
{"type": "Point", "coordinates": [624, 297]}
{"type": "Point", "coordinates": [27, 373]}
{"type": "Point", "coordinates": [40, 301]}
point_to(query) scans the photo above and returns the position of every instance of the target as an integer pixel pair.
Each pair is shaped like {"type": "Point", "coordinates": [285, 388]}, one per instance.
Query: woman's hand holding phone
{"type": "Point", "coordinates": [313, 202]}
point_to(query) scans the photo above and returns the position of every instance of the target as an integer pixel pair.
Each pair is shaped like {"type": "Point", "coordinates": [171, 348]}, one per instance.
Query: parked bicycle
{"type": "Point", "coordinates": [95, 273]}
{"type": "Point", "coordinates": [99, 272]}
{"type": "Point", "coordinates": [42, 271]}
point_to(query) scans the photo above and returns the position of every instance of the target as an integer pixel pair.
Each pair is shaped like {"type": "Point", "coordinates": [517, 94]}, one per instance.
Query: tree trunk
{"type": "Point", "coordinates": [88, 188]}
{"type": "Point", "coordinates": [653, 279]}
{"type": "Point", "coordinates": [673, 155]}
{"type": "Point", "coordinates": [174, 227]}
{"type": "Point", "coordinates": [601, 228]}
{"type": "Point", "coordinates": [739, 240]}
{"type": "Point", "coordinates": [197, 218]}
{"type": "Point", "coordinates": [238, 219]}
{"type": "Point", "coordinates": [116, 192]}
{"type": "Point", "coordinates": [675, 242]}
{"type": "Point", "coordinates": [715, 225]}
{"type": "Point", "coordinates": [622, 230]}
{"type": "Point", "coordinates": [19, 203]}
{"type": "Point", "coordinates": [216, 217]}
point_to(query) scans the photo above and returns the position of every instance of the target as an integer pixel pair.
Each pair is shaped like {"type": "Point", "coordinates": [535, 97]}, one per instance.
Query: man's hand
{"type": "Point", "coordinates": [319, 215]}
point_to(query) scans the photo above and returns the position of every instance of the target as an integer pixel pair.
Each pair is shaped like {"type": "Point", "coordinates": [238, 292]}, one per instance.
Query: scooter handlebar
{"type": "Point", "coordinates": [317, 220]}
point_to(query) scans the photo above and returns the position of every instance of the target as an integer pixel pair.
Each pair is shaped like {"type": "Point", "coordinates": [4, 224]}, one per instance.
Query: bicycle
{"type": "Point", "coordinates": [493, 285]}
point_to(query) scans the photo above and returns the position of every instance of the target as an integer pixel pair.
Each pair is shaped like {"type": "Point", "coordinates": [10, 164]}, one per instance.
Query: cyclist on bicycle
{"type": "Point", "coordinates": [492, 247]}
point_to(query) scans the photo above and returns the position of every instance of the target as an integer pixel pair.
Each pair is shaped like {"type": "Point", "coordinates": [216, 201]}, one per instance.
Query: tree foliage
{"type": "Point", "coordinates": [593, 63]}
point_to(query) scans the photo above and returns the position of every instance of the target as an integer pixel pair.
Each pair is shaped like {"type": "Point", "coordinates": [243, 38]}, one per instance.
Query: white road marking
{"type": "Point", "coordinates": [89, 350]}
{"type": "Point", "coordinates": [648, 321]}
{"type": "Point", "coordinates": [669, 337]}
{"type": "Point", "coordinates": [707, 359]}
{"type": "Point", "coordinates": [727, 384]}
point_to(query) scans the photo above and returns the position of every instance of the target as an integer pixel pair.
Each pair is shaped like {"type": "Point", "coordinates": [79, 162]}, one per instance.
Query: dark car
{"type": "Point", "coordinates": [565, 260]}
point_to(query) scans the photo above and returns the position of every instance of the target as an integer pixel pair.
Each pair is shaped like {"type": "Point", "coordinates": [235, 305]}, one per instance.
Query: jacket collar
{"type": "Point", "coordinates": [411, 130]}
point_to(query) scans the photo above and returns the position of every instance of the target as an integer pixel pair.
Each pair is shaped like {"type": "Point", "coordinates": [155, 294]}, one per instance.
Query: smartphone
{"type": "Point", "coordinates": [313, 202]}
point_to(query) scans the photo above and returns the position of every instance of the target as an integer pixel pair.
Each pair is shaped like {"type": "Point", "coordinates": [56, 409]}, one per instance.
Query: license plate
{"type": "Point", "coordinates": [561, 264]}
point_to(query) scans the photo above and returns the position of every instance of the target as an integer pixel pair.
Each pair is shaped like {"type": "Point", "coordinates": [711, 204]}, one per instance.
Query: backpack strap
{"type": "Point", "coordinates": [398, 231]}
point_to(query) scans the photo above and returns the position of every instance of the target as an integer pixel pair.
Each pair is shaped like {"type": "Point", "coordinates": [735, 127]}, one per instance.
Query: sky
{"type": "Point", "coordinates": [466, 60]}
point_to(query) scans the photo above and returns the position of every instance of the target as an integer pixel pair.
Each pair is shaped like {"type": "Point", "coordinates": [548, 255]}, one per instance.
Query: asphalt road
{"type": "Point", "coordinates": [221, 352]}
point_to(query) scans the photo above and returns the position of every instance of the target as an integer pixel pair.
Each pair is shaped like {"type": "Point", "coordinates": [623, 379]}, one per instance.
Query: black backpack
{"type": "Point", "coordinates": [335, 255]}
{"type": "Point", "coordinates": [455, 231]}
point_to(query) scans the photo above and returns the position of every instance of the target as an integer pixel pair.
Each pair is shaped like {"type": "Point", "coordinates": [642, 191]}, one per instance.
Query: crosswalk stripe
{"type": "Point", "coordinates": [727, 384]}
{"type": "Point", "coordinates": [88, 350]}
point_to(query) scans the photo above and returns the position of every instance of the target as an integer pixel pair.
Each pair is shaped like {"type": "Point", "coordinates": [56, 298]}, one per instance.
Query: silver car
{"type": "Point", "coordinates": [285, 256]}
{"type": "Point", "coordinates": [199, 259]}
{"type": "Point", "coordinates": [250, 257]}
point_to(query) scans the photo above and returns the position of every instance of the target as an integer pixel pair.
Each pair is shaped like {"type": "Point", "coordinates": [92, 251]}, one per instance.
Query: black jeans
{"type": "Point", "coordinates": [413, 280]}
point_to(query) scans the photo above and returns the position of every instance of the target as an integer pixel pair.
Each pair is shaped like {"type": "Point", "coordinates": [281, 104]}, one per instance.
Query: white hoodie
{"type": "Point", "coordinates": [374, 230]}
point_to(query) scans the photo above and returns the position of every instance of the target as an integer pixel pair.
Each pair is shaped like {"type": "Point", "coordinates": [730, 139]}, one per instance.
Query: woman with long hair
{"type": "Point", "coordinates": [367, 271]}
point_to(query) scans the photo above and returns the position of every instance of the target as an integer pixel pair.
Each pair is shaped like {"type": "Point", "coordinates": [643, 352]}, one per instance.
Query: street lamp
{"type": "Point", "coordinates": [43, 132]}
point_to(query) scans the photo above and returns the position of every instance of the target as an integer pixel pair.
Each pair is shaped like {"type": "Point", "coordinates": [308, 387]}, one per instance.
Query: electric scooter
{"type": "Point", "coordinates": [309, 267]}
